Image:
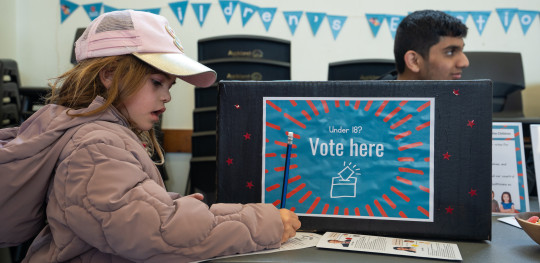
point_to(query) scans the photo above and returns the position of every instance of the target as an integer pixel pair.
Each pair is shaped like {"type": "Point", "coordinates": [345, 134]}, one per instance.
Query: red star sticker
{"type": "Point", "coordinates": [456, 92]}
{"type": "Point", "coordinates": [237, 106]}
{"type": "Point", "coordinates": [446, 156]}
{"type": "Point", "coordinates": [472, 192]}
{"type": "Point", "coordinates": [229, 161]}
{"type": "Point", "coordinates": [249, 184]}
{"type": "Point", "coordinates": [471, 123]}
{"type": "Point", "coordinates": [449, 210]}
{"type": "Point", "coordinates": [247, 136]}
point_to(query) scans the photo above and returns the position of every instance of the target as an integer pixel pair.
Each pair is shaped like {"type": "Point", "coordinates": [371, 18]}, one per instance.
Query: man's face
{"type": "Point", "coordinates": [446, 60]}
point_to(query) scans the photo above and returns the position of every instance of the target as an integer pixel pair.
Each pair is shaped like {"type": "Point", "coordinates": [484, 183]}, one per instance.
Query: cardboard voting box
{"type": "Point", "coordinates": [394, 158]}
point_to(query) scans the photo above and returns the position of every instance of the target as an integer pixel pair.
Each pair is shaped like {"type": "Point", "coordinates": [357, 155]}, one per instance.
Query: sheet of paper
{"type": "Point", "coordinates": [301, 240]}
{"type": "Point", "coordinates": [535, 140]}
{"type": "Point", "coordinates": [388, 245]}
{"type": "Point", "coordinates": [509, 173]}
{"type": "Point", "coordinates": [509, 220]}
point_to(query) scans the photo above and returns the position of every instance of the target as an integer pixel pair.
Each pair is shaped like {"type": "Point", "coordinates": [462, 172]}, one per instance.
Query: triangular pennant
{"type": "Point", "coordinates": [393, 23]}
{"type": "Point", "coordinates": [201, 10]}
{"type": "Point", "coordinates": [506, 15]}
{"type": "Point", "coordinates": [93, 10]}
{"type": "Point", "coordinates": [107, 9]}
{"type": "Point", "coordinates": [315, 20]}
{"type": "Point", "coordinates": [179, 10]}
{"type": "Point", "coordinates": [267, 16]}
{"type": "Point", "coordinates": [66, 9]}
{"type": "Point", "coordinates": [292, 19]}
{"type": "Point", "coordinates": [336, 24]}
{"type": "Point", "coordinates": [154, 11]}
{"type": "Point", "coordinates": [375, 21]}
{"type": "Point", "coordinates": [480, 19]}
{"type": "Point", "coordinates": [227, 7]}
{"type": "Point", "coordinates": [247, 11]}
{"type": "Point", "coordinates": [459, 15]}
{"type": "Point", "coordinates": [526, 18]}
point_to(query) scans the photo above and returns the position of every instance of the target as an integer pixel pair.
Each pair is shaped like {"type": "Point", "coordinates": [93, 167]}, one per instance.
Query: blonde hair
{"type": "Point", "coordinates": [78, 87]}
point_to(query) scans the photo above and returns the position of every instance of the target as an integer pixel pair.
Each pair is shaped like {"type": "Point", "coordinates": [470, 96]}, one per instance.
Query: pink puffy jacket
{"type": "Point", "coordinates": [107, 203]}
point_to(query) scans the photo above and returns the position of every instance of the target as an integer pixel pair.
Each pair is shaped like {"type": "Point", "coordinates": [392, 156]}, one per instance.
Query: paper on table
{"type": "Point", "coordinates": [301, 240]}
{"type": "Point", "coordinates": [388, 245]}
{"type": "Point", "coordinates": [509, 220]}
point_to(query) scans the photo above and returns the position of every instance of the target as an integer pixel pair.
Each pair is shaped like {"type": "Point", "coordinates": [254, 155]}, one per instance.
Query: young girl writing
{"type": "Point", "coordinates": [107, 201]}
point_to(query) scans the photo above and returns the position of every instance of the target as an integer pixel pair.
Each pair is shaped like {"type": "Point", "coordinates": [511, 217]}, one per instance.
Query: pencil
{"type": "Point", "coordinates": [286, 173]}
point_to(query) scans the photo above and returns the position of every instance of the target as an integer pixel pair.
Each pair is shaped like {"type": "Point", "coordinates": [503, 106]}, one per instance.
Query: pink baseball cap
{"type": "Point", "coordinates": [145, 35]}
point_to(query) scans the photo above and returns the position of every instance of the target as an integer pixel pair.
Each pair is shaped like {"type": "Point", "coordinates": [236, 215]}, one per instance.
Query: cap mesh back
{"type": "Point", "coordinates": [115, 21]}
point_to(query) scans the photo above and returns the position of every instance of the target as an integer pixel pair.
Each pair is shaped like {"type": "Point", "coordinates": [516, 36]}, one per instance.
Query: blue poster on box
{"type": "Point", "coordinates": [351, 157]}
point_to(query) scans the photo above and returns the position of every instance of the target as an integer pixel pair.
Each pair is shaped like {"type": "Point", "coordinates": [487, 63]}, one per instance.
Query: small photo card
{"type": "Point", "coordinates": [509, 174]}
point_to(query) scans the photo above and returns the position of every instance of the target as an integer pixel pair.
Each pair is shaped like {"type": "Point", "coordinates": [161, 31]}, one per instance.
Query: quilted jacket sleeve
{"type": "Point", "coordinates": [110, 201]}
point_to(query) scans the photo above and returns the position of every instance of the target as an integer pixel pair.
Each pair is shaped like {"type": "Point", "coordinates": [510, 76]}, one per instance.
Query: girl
{"type": "Point", "coordinates": [107, 202]}
{"type": "Point", "coordinates": [506, 203]}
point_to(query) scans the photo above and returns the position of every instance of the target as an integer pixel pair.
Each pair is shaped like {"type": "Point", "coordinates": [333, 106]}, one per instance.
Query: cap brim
{"type": "Point", "coordinates": [181, 66]}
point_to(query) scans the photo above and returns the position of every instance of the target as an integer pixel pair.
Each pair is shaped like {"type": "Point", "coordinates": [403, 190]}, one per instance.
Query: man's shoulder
{"type": "Point", "coordinates": [391, 75]}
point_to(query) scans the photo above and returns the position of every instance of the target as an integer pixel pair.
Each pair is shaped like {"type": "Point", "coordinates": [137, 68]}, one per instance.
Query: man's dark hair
{"type": "Point", "coordinates": [420, 30]}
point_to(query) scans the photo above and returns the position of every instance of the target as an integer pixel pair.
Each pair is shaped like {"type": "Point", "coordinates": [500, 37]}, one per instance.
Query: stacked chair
{"type": "Point", "coordinates": [10, 106]}
{"type": "Point", "coordinates": [239, 58]}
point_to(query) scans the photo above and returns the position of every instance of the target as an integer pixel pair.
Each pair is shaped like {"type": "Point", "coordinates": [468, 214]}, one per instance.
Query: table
{"type": "Point", "coordinates": [509, 244]}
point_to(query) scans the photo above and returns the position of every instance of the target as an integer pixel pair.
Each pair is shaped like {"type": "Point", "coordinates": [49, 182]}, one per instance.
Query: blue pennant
{"type": "Point", "coordinates": [267, 16]}
{"type": "Point", "coordinates": [506, 15]}
{"type": "Point", "coordinates": [247, 11]}
{"type": "Point", "coordinates": [93, 10]}
{"type": "Point", "coordinates": [375, 21]}
{"type": "Point", "coordinates": [179, 10]}
{"type": "Point", "coordinates": [526, 18]}
{"type": "Point", "coordinates": [459, 15]}
{"type": "Point", "coordinates": [228, 7]}
{"type": "Point", "coordinates": [66, 9]}
{"type": "Point", "coordinates": [292, 19]}
{"type": "Point", "coordinates": [336, 24]}
{"type": "Point", "coordinates": [201, 10]}
{"type": "Point", "coordinates": [315, 20]}
{"type": "Point", "coordinates": [393, 23]}
{"type": "Point", "coordinates": [107, 9]}
{"type": "Point", "coordinates": [480, 19]}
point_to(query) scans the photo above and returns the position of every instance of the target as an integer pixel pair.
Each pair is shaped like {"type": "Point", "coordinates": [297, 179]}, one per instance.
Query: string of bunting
{"type": "Point", "coordinates": [315, 19]}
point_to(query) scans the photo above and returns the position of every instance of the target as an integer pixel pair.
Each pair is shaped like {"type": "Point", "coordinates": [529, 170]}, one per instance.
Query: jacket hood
{"type": "Point", "coordinates": [45, 126]}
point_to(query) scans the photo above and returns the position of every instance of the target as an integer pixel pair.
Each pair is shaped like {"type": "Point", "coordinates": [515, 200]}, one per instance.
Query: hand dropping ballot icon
{"type": "Point", "coordinates": [344, 185]}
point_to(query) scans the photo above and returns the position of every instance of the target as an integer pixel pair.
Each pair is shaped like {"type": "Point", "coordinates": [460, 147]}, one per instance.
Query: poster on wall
{"type": "Point", "coordinates": [509, 183]}
{"type": "Point", "coordinates": [535, 141]}
{"type": "Point", "coordinates": [377, 157]}
{"type": "Point", "coordinates": [350, 154]}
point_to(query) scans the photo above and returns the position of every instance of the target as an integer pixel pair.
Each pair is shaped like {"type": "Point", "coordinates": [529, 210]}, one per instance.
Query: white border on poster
{"type": "Point", "coordinates": [535, 139]}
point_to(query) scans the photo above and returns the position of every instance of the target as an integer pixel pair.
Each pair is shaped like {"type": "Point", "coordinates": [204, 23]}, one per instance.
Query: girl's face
{"type": "Point", "coordinates": [506, 198]}
{"type": "Point", "coordinates": [144, 107]}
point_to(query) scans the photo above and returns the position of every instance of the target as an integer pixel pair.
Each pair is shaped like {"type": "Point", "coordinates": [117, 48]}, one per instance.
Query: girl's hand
{"type": "Point", "coordinates": [290, 224]}
{"type": "Point", "coordinates": [197, 196]}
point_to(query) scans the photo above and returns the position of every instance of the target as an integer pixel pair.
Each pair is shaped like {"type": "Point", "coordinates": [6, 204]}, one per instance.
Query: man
{"type": "Point", "coordinates": [429, 46]}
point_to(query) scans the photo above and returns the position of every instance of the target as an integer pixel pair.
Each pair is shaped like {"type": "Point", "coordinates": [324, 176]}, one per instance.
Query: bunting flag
{"type": "Point", "coordinates": [247, 11]}
{"type": "Point", "coordinates": [66, 9]}
{"type": "Point", "coordinates": [480, 19]}
{"type": "Point", "coordinates": [267, 16]}
{"type": "Point", "coordinates": [459, 15]}
{"type": "Point", "coordinates": [336, 24]}
{"type": "Point", "coordinates": [179, 10]}
{"type": "Point", "coordinates": [93, 10]}
{"type": "Point", "coordinates": [393, 22]}
{"type": "Point", "coordinates": [201, 10]}
{"type": "Point", "coordinates": [526, 18]}
{"type": "Point", "coordinates": [292, 18]}
{"type": "Point", "coordinates": [107, 9]}
{"type": "Point", "coordinates": [375, 21]}
{"type": "Point", "coordinates": [227, 8]}
{"type": "Point", "coordinates": [315, 20]}
{"type": "Point", "coordinates": [506, 15]}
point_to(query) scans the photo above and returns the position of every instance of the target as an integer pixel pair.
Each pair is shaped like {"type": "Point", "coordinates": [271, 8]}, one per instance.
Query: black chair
{"type": "Point", "coordinates": [362, 69]}
{"type": "Point", "coordinates": [505, 69]}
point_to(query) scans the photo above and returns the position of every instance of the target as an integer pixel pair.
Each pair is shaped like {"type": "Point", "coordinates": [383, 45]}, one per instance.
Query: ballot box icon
{"type": "Point", "coordinates": [344, 185]}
